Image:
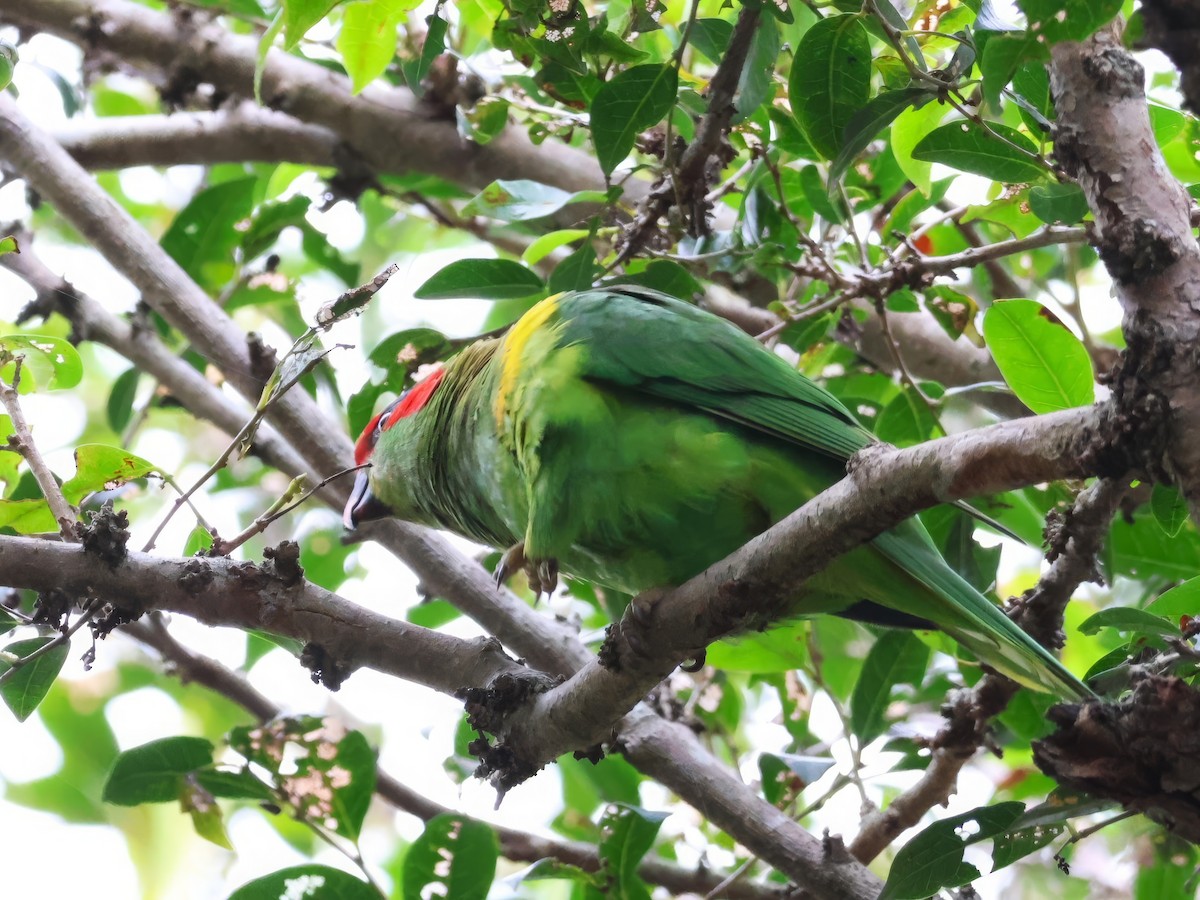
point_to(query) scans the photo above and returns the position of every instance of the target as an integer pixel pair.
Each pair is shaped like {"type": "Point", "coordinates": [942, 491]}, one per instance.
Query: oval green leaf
{"type": "Point", "coordinates": [28, 686]}
{"type": "Point", "coordinates": [486, 279]}
{"type": "Point", "coordinates": [47, 363]}
{"type": "Point", "coordinates": [635, 100]}
{"type": "Point", "coordinates": [995, 153]}
{"type": "Point", "coordinates": [872, 119]}
{"type": "Point", "coordinates": [896, 658]}
{"type": "Point", "coordinates": [151, 772]}
{"type": "Point", "coordinates": [455, 853]}
{"type": "Point", "coordinates": [99, 467]}
{"type": "Point", "coordinates": [830, 80]}
{"type": "Point", "coordinates": [1045, 364]}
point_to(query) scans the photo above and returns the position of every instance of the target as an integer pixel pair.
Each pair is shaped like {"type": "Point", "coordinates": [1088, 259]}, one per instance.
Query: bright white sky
{"type": "Point", "coordinates": [48, 858]}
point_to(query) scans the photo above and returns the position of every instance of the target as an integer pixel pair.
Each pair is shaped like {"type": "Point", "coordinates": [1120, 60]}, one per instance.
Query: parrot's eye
{"type": "Point", "coordinates": [408, 403]}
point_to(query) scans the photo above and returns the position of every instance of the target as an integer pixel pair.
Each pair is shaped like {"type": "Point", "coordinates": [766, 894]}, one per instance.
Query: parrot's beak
{"type": "Point", "coordinates": [362, 505]}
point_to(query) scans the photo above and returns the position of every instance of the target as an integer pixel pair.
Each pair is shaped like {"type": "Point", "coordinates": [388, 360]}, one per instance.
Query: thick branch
{"type": "Point", "coordinates": [243, 133]}
{"type": "Point", "coordinates": [220, 591]}
{"type": "Point", "coordinates": [751, 587]}
{"type": "Point", "coordinates": [1104, 140]}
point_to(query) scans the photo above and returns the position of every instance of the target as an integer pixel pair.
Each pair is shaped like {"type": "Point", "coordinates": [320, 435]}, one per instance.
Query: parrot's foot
{"type": "Point", "coordinates": [542, 574]}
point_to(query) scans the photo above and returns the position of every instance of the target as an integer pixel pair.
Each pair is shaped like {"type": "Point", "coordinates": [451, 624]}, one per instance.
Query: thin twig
{"type": "Point", "coordinates": [21, 440]}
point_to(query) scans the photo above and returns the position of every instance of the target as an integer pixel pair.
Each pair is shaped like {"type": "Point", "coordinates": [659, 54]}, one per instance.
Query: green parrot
{"type": "Point", "coordinates": [634, 439]}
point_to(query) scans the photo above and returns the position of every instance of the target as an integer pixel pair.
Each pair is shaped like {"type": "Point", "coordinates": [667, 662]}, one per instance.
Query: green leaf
{"type": "Point", "coordinates": [351, 799]}
{"type": "Point", "coordinates": [548, 243]}
{"type": "Point", "coordinates": [757, 82]}
{"type": "Point", "coordinates": [1058, 203]}
{"type": "Point", "coordinates": [629, 832]}
{"type": "Point", "coordinates": [199, 540]}
{"type": "Point", "coordinates": [8, 62]}
{"type": "Point", "coordinates": [1067, 20]}
{"type": "Point", "coordinates": [830, 80]}
{"type": "Point", "coordinates": [367, 40]}
{"type": "Point", "coordinates": [522, 201]}
{"type": "Point", "coordinates": [1003, 55]}
{"type": "Point", "coordinates": [1141, 549]}
{"type": "Point", "coordinates": [775, 650]}
{"type": "Point", "coordinates": [432, 613]}
{"type": "Point", "coordinates": [47, 363]}
{"type": "Point", "coordinates": [786, 772]}
{"type": "Point", "coordinates": [1018, 843]}
{"type": "Point", "coordinates": [1181, 600]}
{"type": "Point", "coordinates": [455, 853]}
{"type": "Point", "coordinates": [204, 235]}
{"type": "Point", "coordinates": [206, 814]}
{"type": "Point", "coordinates": [633, 101]}
{"type": "Point", "coordinates": [483, 121]}
{"type": "Point", "coordinates": [153, 772]}
{"type": "Point", "coordinates": [1169, 508]}
{"type": "Point", "coordinates": [812, 185]}
{"type": "Point", "coordinates": [230, 784]}
{"type": "Point", "coordinates": [8, 244]}
{"type": "Point", "coordinates": [27, 687]}
{"type": "Point", "coordinates": [865, 124]}
{"type": "Point", "coordinates": [301, 15]}
{"type": "Point", "coordinates": [576, 272]}
{"type": "Point", "coordinates": [1045, 364]}
{"type": "Point", "coordinates": [906, 420]}
{"type": "Point", "coordinates": [99, 467]}
{"type": "Point", "coordinates": [711, 37]}
{"type": "Point", "coordinates": [306, 882]}
{"type": "Point", "coordinates": [29, 516]}
{"type": "Point", "coordinates": [933, 859]}
{"type": "Point", "coordinates": [119, 409]}
{"type": "Point", "coordinates": [487, 279]}
{"type": "Point", "coordinates": [7, 621]}
{"type": "Point", "coordinates": [416, 69]}
{"type": "Point", "coordinates": [270, 220]}
{"type": "Point", "coordinates": [1166, 123]}
{"type": "Point", "coordinates": [898, 657]}
{"type": "Point", "coordinates": [995, 154]}
{"type": "Point", "coordinates": [1128, 619]}
{"type": "Point", "coordinates": [909, 129]}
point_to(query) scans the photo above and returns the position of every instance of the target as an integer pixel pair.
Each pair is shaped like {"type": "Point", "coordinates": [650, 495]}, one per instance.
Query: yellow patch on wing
{"type": "Point", "coordinates": [513, 348]}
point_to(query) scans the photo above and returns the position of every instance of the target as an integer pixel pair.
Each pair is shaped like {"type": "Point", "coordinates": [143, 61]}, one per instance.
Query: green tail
{"type": "Point", "coordinates": [977, 623]}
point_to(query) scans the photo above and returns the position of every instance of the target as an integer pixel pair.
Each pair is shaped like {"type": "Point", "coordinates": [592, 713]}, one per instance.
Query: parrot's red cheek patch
{"type": "Point", "coordinates": [409, 402]}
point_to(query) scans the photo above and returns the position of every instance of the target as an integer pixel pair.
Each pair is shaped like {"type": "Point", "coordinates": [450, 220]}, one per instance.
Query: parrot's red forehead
{"type": "Point", "coordinates": [411, 401]}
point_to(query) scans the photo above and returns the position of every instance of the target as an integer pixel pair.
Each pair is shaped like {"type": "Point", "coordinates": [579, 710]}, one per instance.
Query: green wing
{"type": "Point", "coordinates": [652, 343]}
{"type": "Point", "coordinates": [641, 339]}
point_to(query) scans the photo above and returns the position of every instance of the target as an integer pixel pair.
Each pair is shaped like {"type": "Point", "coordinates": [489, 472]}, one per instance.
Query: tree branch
{"type": "Point", "coordinates": [240, 133]}
{"type": "Point", "coordinates": [22, 441]}
{"type": "Point", "coordinates": [273, 597]}
{"type": "Point", "coordinates": [1104, 141]}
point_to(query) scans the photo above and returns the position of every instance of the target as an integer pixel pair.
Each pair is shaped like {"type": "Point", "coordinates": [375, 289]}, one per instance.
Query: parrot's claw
{"type": "Point", "coordinates": [542, 574]}
{"type": "Point", "coordinates": [512, 560]}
